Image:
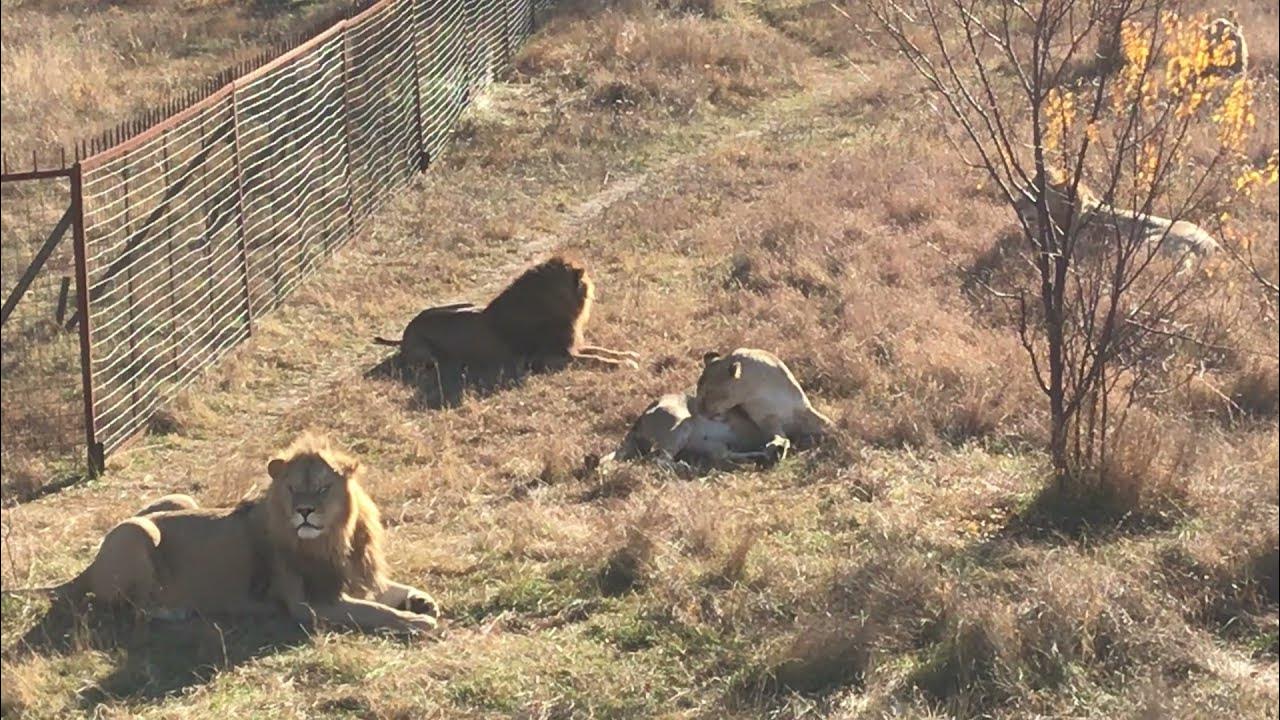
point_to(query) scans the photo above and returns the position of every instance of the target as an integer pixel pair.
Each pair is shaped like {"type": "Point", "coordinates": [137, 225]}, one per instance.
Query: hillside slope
{"type": "Point", "coordinates": [732, 176]}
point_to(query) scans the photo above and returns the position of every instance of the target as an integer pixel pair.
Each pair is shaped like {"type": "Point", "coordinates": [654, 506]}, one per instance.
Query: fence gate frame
{"type": "Point", "coordinates": [72, 221]}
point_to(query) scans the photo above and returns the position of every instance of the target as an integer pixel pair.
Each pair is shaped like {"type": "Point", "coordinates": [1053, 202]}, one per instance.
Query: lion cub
{"type": "Point", "coordinates": [760, 386]}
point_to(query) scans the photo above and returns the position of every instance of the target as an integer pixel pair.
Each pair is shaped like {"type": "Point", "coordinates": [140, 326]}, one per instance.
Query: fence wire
{"type": "Point", "coordinates": [207, 221]}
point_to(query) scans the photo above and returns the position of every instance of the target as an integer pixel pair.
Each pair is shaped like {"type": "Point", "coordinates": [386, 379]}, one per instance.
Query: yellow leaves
{"type": "Point", "coordinates": [1181, 76]}
{"type": "Point", "coordinates": [1195, 56]}
{"type": "Point", "coordinates": [1191, 53]}
{"type": "Point", "coordinates": [1250, 178]}
{"type": "Point", "coordinates": [1060, 113]}
{"type": "Point", "coordinates": [1135, 83]}
{"type": "Point", "coordinates": [1149, 161]}
{"type": "Point", "coordinates": [1234, 118]}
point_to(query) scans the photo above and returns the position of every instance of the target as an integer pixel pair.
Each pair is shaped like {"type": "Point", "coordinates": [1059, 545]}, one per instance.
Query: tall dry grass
{"type": "Point", "coordinates": [904, 568]}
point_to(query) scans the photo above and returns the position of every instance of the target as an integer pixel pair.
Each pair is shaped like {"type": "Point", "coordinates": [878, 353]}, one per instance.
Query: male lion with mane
{"type": "Point", "coordinates": [540, 316]}
{"type": "Point", "coordinates": [310, 546]}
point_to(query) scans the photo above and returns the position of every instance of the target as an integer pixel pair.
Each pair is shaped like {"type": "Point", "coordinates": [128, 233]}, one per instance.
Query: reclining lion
{"type": "Point", "coordinates": [539, 317]}
{"type": "Point", "coordinates": [1180, 239]}
{"type": "Point", "coordinates": [760, 386]}
{"type": "Point", "coordinates": [672, 430]}
{"type": "Point", "coordinates": [310, 546]}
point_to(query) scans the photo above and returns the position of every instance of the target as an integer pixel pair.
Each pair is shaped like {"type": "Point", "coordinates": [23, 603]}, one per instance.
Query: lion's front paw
{"type": "Point", "coordinates": [421, 603]}
{"type": "Point", "coordinates": [421, 625]}
{"type": "Point", "coordinates": [776, 451]}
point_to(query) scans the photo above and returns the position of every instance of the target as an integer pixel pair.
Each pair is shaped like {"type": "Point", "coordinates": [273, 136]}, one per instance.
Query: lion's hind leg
{"type": "Point", "coordinates": [124, 570]}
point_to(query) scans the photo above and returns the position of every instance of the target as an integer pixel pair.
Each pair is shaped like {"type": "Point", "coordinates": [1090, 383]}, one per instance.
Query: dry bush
{"type": "Point", "coordinates": [637, 59]}
{"type": "Point", "coordinates": [998, 650]}
{"type": "Point", "coordinates": [1256, 389]}
{"type": "Point", "coordinates": [1143, 480]}
{"type": "Point", "coordinates": [714, 9]}
{"type": "Point", "coordinates": [629, 565]}
{"type": "Point", "coordinates": [824, 653]}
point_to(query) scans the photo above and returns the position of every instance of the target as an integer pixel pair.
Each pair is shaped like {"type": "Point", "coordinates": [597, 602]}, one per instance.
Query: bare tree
{"type": "Point", "coordinates": [1039, 95]}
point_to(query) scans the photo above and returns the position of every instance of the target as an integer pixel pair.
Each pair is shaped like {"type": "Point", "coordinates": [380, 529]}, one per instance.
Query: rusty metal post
{"type": "Point", "coordinates": [95, 456]}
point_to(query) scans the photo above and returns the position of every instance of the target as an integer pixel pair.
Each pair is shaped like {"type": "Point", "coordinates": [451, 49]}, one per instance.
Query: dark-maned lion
{"type": "Point", "coordinates": [540, 317]}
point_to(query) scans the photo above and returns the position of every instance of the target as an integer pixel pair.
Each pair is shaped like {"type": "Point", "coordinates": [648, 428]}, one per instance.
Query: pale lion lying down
{"type": "Point", "coordinates": [310, 547]}
{"type": "Point", "coordinates": [672, 430]}
{"type": "Point", "coordinates": [748, 407]}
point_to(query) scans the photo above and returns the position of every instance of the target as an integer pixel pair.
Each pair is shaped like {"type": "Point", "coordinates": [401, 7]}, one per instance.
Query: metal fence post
{"type": "Point", "coordinates": [94, 450]}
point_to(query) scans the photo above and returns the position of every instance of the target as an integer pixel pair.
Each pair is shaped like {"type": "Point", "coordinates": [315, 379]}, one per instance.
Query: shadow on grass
{"type": "Point", "coordinates": [1086, 511]}
{"type": "Point", "coordinates": [447, 385]}
{"type": "Point", "coordinates": [153, 660]}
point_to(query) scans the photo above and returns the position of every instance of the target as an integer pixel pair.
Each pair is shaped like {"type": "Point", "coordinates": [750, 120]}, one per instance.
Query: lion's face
{"type": "Point", "coordinates": [311, 493]}
{"type": "Point", "coordinates": [1057, 199]}
{"type": "Point", "coordinates": [717, 386]}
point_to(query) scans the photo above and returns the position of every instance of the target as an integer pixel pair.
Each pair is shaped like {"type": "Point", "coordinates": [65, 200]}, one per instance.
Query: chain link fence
{"type": "Point", "coordinates": [194, 226]}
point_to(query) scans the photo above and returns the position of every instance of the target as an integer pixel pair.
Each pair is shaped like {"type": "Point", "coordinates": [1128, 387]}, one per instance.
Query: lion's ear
{"type": "Point", "coordinates": [275, 468]}
{"type": "Point", "coordinates": [710, 357]}
{"type": "Point", "coordinates": [348, 467]}
{"type": "Point", "coordinates": [736, 371]}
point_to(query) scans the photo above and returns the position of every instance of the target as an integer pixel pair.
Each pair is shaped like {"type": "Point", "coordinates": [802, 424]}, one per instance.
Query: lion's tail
{"type": "Point", "coordinates": [384, 341]}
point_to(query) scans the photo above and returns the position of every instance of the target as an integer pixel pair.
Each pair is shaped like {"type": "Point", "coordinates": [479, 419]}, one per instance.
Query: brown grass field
{"type": "Point", "coordinates": [733, 175]}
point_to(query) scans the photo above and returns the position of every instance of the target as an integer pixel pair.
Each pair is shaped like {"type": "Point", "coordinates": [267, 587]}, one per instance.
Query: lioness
{"type": "Point", "coordinates": [762, 387]}
{"type": "Point", "coordinates": [673, 430]}
{"type": "Point", "coordinates": [310, 546]}
{"type": "Point", "coordinates": [1181, 239]}
{"type": "Point", "coordinates": [540, 316]}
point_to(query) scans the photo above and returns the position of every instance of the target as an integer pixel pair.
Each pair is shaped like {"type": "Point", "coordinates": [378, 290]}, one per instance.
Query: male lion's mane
{"type": "Point", "coordinates": [543, 311]}
{"type": "Point", "coordinates": [349, 557]}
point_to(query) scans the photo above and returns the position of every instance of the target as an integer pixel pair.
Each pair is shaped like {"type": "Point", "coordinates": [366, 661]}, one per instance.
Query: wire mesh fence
{"type": "Point", "coordinates": [202, 222]}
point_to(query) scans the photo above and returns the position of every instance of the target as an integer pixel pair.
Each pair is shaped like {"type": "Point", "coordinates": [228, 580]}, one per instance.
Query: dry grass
{"type": "Point", "coordinates": [903, 569]}
{"type": "Point", "coordinates": [72, 68]}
